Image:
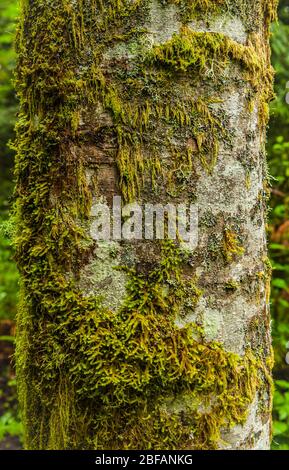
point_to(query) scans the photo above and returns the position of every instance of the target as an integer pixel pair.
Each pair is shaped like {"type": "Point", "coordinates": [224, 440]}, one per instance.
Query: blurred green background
{"type": "Point", "coordinates": [278, 157]}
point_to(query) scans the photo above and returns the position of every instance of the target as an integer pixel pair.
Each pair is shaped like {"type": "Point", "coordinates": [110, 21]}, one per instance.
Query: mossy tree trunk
{"type": "Point", "coordinates": [142, 344]}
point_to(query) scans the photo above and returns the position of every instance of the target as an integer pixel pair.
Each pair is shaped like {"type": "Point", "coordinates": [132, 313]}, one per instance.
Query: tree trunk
{"type": "Point", "coordinates": [143, 344]}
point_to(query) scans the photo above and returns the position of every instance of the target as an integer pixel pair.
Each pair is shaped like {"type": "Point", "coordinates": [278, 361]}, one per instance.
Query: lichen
{"type": "Point", "coordinates": [80, 366]}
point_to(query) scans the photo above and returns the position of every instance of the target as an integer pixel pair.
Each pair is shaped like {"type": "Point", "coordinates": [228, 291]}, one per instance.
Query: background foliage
{"type": "Point", "coordinates": [10, 426]}
{"type": "Point", "coordinates": [8, 107]}
{"type": "Point", "coordinates": [278, 157]}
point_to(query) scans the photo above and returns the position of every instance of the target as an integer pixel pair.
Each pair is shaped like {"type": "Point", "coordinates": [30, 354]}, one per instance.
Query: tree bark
{"type": "Point", "coordinates": [139, 344]}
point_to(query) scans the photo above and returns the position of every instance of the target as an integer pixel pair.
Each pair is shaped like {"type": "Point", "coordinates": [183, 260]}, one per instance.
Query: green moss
{"type": "Point", "coordinates": [192, 51]}
{"type": "Point", "coordinates": [199, 50]}
{"type": "Point", "coordinates": [197, 8]}
{"type": "Point", "coordinates": [271, 10]}
{"type": "Point", "coordinates": [207, 9]}
{"type": "Point", "coordinates": [80, 366]}
{"type": "Point", "coordinates": [231, 246]}
{"type": "Point", "coordinates": [131, 364]}
{"type": "Point", "coordinates": [232, 285]}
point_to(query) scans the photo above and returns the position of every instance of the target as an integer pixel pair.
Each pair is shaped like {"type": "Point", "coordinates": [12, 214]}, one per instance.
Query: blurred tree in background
{"type": "Point", "coordinates": [278, 155]}
{"type": "Point", "coordinates": [8, 107]}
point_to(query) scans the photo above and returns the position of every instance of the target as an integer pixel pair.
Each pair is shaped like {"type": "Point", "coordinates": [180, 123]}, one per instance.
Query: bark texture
{"type": "Point", "coordinates": [143, 344]}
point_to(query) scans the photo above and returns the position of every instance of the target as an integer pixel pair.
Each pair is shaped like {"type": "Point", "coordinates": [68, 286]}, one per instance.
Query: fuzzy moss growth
{"type": "Point", "coordinates": [271, 10]}
{"type": "Point", "coordinates": [199, 50]}
{"type": "Point", "coordinates": [231, 245]}
{"type": "Point", "coordinates": [191, 51]}
{"type": "Point", "coordinates": [81, 366]}
{"type": "Point", "coordinates": [192, 8]}
{"type": "Point", "coordinates": [133, 364]}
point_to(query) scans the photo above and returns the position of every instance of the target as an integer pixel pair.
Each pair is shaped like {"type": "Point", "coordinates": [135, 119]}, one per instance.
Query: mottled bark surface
{"type": "Point", "coordinates": [157, 102]}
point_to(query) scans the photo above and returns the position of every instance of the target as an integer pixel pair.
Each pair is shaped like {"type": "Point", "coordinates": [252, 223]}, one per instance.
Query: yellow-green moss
{"type": "Point", "coordinates": [198, 50]}
{"type": "Point", "coordinates": [191, 51]}
{"type": "Point", "coordinates": [271, 10]}
{"type": "Point", "coordinates": [191, 9]}
{"type": "Point", "coordinates": [80, 366]}
{"type": "Point", "coordinates": [132, 364]}
{"type": "Point", "coordinates": [197, 8]}
{"type": "Point", "coordinates": [231, 245]}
